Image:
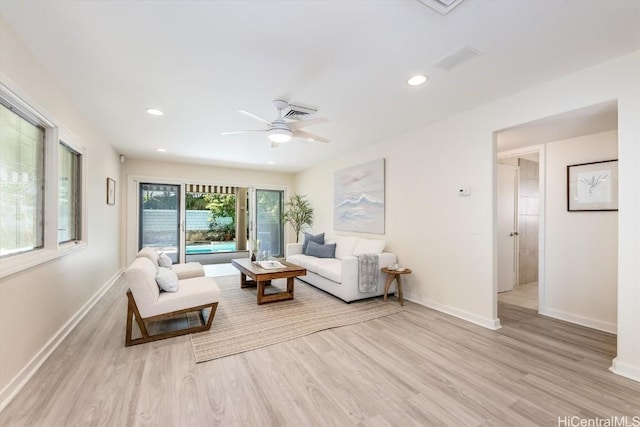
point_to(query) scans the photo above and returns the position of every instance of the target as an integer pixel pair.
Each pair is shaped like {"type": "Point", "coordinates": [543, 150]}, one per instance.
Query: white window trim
{"type": "Point", "coordinates": [72, 141]}
{"type": "Point", "coordinates": [54, 133]}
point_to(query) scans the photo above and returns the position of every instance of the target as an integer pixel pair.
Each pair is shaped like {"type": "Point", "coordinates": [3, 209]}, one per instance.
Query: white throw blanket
{"type": "Point", "coordinates": [368, 271]}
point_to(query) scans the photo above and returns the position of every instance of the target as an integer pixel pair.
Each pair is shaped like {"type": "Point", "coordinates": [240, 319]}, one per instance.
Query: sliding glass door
{"type": "Point", "coordinates": [160, 218]}
{"type": "Point", "coordinates": [269, 227]}
{"type": "Point", "coordinates": [208, 223]}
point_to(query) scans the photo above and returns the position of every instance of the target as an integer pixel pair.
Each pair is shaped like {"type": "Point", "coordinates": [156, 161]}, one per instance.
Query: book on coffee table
{"type": "Point", "coordinates": [270, 265]}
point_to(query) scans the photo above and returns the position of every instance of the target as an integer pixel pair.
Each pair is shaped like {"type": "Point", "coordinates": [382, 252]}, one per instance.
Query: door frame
{"type": "Point", "coordinates": [541, 150]}
{"type": "Point", "coordinates": [254, 225]}
{"type": "Point", "coordinates": [516, 226]}
{"type": "Point", "coordinates": [253, 216]}
{"type": "Point", "coordinates": [132, 215]}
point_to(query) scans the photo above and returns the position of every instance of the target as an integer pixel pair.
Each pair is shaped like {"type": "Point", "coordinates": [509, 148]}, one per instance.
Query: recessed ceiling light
{"type": "Point", "coordinates": [155, 112]}
{"type": "Point", "coordinates": [162, 150]}
{"type": "Point", "coordinates": [417, 80]}
{"type": "Point", "coordinates": [271, 162]}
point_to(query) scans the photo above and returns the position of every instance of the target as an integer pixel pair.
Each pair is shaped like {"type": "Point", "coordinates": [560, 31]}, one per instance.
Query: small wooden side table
{"type": "Point", "coordinates": [397, 275]}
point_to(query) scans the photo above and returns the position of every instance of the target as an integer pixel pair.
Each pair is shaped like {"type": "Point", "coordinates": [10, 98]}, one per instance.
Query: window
{"type": "Point", "coordinates": [21, 183]}
{"type": "Point", "coordinates": [68, 194]}
{"type": "Point", "coordinates": [42, 187]}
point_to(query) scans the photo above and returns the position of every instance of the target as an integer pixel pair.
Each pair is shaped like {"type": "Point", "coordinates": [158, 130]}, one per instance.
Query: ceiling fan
{"type": "Point", "coordinates": [280, 131]}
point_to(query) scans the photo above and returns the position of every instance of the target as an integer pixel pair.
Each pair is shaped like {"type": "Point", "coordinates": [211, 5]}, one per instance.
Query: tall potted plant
{"type": "Point", "coordinates": [299, 213]}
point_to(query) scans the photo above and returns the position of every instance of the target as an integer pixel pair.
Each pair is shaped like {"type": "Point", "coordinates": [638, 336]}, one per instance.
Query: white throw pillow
{"type": "Point", "coordinates": [345, 246]}
{"type": "Point", "coordinates": [369, 246]}
{"type": "Point", "coordinates": [167, 280]}
{"type": "Point", "coordinates": [164, 261]}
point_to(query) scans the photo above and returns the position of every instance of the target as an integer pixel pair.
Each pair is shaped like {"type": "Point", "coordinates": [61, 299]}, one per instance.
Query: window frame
{"type": "Point", "coordinates": [79, 173]}
{"type": "Point", "coordinates": [54, 134]}
{"type": "Point", "coordinates": [39, 179]}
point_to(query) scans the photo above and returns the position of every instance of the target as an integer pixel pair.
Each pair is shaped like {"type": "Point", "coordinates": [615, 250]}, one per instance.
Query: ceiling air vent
{"type": "Point", "coordinates": [457, 58]}
{"type": "Point", "coordinates": [297, 112]}
{"type": "Point", "coordinates": [441, 6]}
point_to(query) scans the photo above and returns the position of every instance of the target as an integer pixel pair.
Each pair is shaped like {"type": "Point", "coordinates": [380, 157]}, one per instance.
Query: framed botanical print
{"type": "Point", "coordinates": [593, 186]}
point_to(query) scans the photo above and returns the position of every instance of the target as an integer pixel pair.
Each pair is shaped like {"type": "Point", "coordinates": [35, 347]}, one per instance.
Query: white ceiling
{"type": "Point", "coordinates": [201, 61]}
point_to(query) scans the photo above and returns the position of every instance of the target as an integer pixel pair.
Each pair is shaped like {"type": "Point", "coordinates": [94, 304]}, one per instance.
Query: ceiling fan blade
{"type": "Point", "coordinates": [242, 131]}
{"type": "Point", "coordinates": [309, 136]}
{"type": "Point", "coordinates": [246, 113]}
{"type": "Point", "coordinates": [305, 123]}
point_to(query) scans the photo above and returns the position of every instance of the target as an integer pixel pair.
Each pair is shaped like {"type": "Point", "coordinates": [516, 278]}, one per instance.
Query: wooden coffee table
{"type": "Point", "coordinates": [262, 277]}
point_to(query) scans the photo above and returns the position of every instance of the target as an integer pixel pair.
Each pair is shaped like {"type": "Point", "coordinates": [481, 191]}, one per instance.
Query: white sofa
{"type": "Point", "coordinates": [339, 276]}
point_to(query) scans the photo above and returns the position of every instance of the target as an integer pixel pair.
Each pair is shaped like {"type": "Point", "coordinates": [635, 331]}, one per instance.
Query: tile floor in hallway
{"type": "Point", "coordinates": [525, 295]}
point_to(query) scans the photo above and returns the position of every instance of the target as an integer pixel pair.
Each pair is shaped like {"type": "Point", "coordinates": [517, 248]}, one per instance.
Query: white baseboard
{"type": "Point", "coordinates": [580, 320]}
{"type": "Point", "coordinates": [18, 382]}
{"type": "Point", "coordinates": [493, 324]}
{"type": "Point", "coordinates": [625, 370]}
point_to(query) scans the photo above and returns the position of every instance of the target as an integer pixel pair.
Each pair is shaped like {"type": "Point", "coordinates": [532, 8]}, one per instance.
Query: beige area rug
{"type": "Point", "coordinates": [240, 324]}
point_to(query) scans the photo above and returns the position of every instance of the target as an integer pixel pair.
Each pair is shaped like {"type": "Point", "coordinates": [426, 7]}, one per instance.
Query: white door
{"type": "Point", "coordinates": [507, 190]}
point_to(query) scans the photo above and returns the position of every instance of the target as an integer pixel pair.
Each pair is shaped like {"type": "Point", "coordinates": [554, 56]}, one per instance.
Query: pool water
{"type": "Point", "coordinates": [211, 248]}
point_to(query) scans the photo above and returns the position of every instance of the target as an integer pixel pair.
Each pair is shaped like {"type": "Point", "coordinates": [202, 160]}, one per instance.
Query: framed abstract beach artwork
{"type": "Point", "coordinates": [358, 198]}
{"type": "Point", "coordinates": [593, 186]}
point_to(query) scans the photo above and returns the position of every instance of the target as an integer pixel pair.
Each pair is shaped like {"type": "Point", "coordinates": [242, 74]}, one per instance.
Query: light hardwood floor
{"type": "Point", "coordinates": [416, 368]}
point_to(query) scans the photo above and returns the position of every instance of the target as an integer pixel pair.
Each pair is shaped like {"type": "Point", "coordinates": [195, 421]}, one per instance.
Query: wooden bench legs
{"type": "Point", "coordinates": [132, 312]}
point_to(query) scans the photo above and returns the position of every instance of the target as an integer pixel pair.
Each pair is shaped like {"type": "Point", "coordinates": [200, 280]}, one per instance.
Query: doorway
{"type": "Point", "coordinates": [159, 219]}
{"type": "Point", "coordinates": [575, 267]}
{"type": "Point", "coordinates": [204, 223]}
{"type": "Point", "coordinates": [268, 222]}
{"type": "Point", "coordinates": [518, 212]}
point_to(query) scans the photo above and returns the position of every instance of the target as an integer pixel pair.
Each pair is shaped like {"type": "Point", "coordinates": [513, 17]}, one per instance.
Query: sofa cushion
{"type": "Point", "coordinates": [167, 280]}
{"type": "Point", "coordinates": [331, 268]}
{"type": "Point", "coordinates": [321, 251]}
{"type": "Point", "coordinates": [311, 263]}
{"type": "Point", "coordinates": [369, 246]}
{"type": "Point", "coordinates": [149, 253]}
{"type": "Point", "coordinates": [296, 259]}
{"type": "Point", "coordinates": [188, 270]}
{"type": "Point", "coordinates": [193, 292]}
{"type": "Point", "coordinates": [308, 237]}
{"type": "Point", "coordinates": [141, 276]}
{"type": "Point", "coordinates": [345, 246]}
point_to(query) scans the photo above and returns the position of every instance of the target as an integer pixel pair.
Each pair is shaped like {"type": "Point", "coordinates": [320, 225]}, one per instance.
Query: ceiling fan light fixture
{"type": "Point", "coordinates": [280, 135]}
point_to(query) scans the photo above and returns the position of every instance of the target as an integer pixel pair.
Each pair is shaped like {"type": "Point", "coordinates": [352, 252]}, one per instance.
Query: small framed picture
{"type": "Point", "coordinates": [111, 191]}
{"type": "Point", "coordinates": [593, 186]}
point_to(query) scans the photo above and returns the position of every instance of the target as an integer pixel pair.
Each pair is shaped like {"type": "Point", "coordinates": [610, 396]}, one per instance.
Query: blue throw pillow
{"type": "Point", "coordinates": [321, 251]}
{"type": "Point", "coordinates": [308, 237]}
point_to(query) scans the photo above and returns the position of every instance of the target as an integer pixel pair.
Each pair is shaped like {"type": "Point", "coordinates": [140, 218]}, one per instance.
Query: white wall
{"type": "Point", "coordinates": [38, 305]}
{"type": "Point", "coordinates": [581, 255]}
{"type": "Point", "coordinates": [179, 173]}
{"type": "Point", "coordinates": [448, 240]}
